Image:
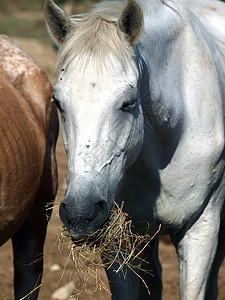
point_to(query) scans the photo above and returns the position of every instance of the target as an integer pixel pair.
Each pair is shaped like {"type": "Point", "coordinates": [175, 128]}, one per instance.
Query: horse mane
{"type": "Point", "coordinates": [95, 37]}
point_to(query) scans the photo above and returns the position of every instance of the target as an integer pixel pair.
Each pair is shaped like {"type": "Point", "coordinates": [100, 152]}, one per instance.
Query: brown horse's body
{"type": "Point", "coordinates": [28, 172]}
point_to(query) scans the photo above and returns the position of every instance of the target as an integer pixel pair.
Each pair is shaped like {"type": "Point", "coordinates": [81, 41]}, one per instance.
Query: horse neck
{"type": "Point", "coordinates": [173, 50]}
{"type": "Point", "coordinates": [160, 85]}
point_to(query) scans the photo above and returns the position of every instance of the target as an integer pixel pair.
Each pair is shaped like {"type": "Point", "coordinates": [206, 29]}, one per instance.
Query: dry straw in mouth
{"type": "Point", "coordinates": [115, 242]}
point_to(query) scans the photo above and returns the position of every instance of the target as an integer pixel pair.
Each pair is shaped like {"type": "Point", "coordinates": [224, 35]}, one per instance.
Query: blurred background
{"type": "Point", "coordinates": [23, 21]}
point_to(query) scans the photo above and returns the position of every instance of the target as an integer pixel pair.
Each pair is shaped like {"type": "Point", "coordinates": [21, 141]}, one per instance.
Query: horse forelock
{"type": "Point", "coordinates": [95, 38]}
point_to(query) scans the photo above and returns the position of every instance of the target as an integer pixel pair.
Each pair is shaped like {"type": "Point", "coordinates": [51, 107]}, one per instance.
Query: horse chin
{"type": "Point", "coordinates": [77, 234]}
{"type": "Point", "coordinates": [85, 233]}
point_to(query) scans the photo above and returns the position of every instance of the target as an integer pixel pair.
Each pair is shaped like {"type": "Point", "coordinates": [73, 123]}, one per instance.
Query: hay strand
{"type": "Point", "coordinates": [115, 242]}
{"type": "Point", "coordinates": [29, 294]}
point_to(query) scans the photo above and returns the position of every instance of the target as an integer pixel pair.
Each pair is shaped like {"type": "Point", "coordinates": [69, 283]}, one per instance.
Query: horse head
{"type": "Point", "coordinates": [98, 96]}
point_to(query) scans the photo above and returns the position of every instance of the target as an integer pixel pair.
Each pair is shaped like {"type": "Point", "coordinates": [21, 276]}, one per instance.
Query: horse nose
{"type": "Point", "coordinates": [83, 219]}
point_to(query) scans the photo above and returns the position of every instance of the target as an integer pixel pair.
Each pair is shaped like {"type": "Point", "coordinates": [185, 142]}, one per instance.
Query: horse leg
{"type": "Point", "coordinates": [212, 291]}
{"type": "Point", "coordinates": [126, 285]}
{"type": "Point", "coordinates": [29, 240]}
{"type": "Point", "coordinates": [196, 248]}
{"type": "Point", "coordinates": [28, 254]}
{"type": "Point", "coordinates": [152, 277]}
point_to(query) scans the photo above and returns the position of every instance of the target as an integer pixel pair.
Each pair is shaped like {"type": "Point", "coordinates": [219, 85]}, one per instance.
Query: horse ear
{"type": "Point", "coordinates": [57, 21]}
{"type": "Point", "coordinates": [131, 21]}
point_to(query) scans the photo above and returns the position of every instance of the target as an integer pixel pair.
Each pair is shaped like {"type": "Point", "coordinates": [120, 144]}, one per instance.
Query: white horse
{"type": "Point", "coordinates": [141, 92]}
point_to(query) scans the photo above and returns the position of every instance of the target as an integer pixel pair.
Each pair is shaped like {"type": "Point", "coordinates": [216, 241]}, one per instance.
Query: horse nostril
{"type": "Point", "coordinates": [102, 211]}
{"type": "Point", "coordinates": [101, 204]}
{"type": "Point", "coordinates": [102, 207]}
{"type": "Point", "coordinates": [63, 204]}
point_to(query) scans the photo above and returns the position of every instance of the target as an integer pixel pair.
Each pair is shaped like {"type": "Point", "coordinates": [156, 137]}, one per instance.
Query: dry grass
{"type": "Point", "coordinates": [115, 242]}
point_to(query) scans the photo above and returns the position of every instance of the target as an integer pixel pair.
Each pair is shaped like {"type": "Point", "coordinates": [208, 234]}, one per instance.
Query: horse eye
{"type": "Point", "coordinates": [129, 105]}
{"type": "Point", "coordinates": [57, 103]}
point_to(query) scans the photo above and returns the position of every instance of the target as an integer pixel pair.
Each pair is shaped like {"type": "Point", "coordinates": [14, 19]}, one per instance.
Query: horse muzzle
{"type": "Point", "coordinates": [83, 218]}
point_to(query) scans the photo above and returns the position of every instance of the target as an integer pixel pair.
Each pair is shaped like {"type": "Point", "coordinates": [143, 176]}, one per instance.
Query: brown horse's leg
{"type": "Point", "coordinates": [28, 254]}
{"type": "Point", "coordinates": [29, 240]}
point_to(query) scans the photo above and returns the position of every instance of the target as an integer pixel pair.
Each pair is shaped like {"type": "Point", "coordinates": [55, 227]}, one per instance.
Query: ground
{"type": "Point", "coordinates": [45, 56]}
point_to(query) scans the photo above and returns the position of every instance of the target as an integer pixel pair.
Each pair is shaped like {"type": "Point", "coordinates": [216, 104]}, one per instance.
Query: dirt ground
{"type": "Point", "coordinates": [52, 280]}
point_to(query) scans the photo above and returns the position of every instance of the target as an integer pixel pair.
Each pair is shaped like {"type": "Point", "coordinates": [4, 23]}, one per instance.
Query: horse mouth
{"type": "Point", "coordinates": [79, 237]}
{"type": "Point", "coordinates": [85, 233]}
{"type": "Point", "coordinates": [88, 239]}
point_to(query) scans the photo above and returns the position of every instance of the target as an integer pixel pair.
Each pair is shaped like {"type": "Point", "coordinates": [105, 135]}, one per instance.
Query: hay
{"type": "Point", "coordinates": [115, 242]}
{"type": "Point", "coordinates": [29, 294]}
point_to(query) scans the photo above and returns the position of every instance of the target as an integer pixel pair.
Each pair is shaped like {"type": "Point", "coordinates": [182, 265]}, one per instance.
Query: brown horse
{"type": "Point", "coordinates": [28, 171]}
